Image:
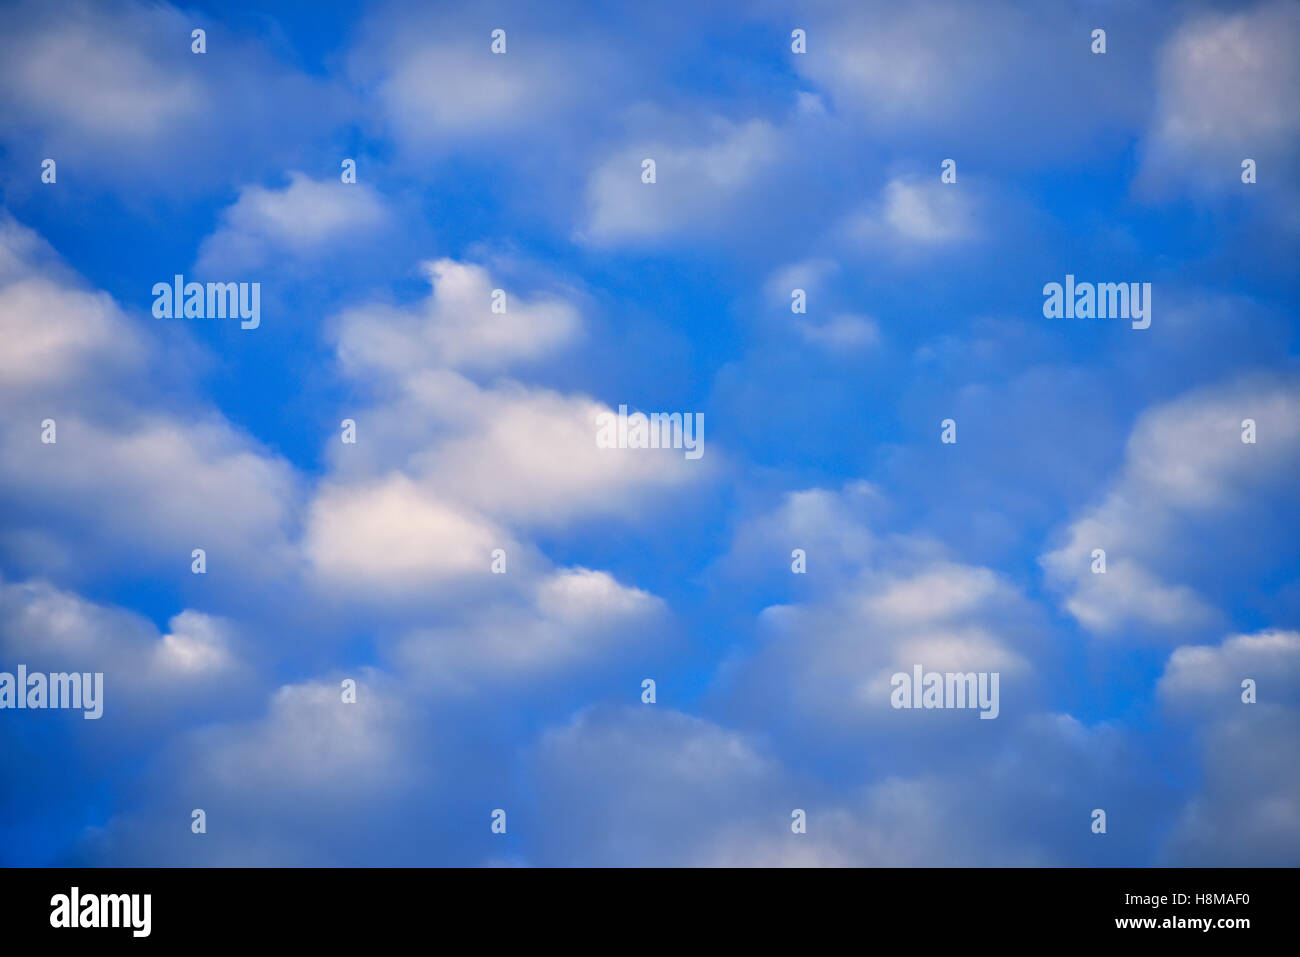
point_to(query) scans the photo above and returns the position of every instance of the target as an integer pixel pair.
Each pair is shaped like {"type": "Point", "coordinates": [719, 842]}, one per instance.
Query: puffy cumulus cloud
{"type": "Point", "coordinates": [1205, 680]}
{"type": "Point", "coordinates": [931, 68]}
{"type": "Point", "coordinates": [476, 445]}
{"type": "Point", "coordinates": [867, 608]}
{"type": "Point", "coordinates": [287, 786]}
{"type": "Point", "coordinates": [837, 332]}
{"type": "Point", "coordinates": [1225, 93]}
{"type": "Point", "coordinates": [310, 740]}
{"type": "Point", "coordinates": [808, 275]}
{"type": "Point", "coordinates": [116, 90]}
{"type": "Point", "coordinates": [156, 682]}
{"type": "Point", "coordinates": [652, 786]}
{"type": "Point", "coordinates": [1188, 501]}
{"type": "Point", "coordinates": [396, 549]}
{"type": "Point", "coordinates": [474, 442]}
{"type": "Point", "coordinates": [564, 620]}
{"type": "Point", "coordinates": [62, 338]}
{"type": "Point", "coordinates": [90, 76]}
{"type": "Point", "coordinates": [89, 336]}
{"type": "Point", "coordinates": [435, 79]}
{"type": "Point", "coordinates": [831, 526]}
{"type": "Point", "coordinates": [831, 661]}
{"type": "Point", "coordinates": [391, 536]}
{"type": "Point", "coordinates": [448, 470]}
{"type": "Point", "coordinates": [695, 188]}
{"type": "Point", "coordinates": [916, 215]}
{"type": "Point", "coordinates": [306, 219]}
{"type": "Point", "coordinates": [1247, 808]}
{"type": "Point", "coordinates": [173, 485]}
{"type": "Point", "coordinates": [147, 674]}
{"type": "Point", "coordinates": [1129, 595]}
{"type": "Point", "coordinates": [121, 474]}
{"type": "Point", "coordinates": [895, 63]}
{"type": "Point", "coordinates": [454, 327]}
{"type": "Point", "coordinates": [503, 434]}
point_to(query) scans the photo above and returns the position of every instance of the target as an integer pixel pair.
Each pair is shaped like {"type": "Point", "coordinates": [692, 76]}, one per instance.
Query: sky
{"type": "Point", "coordinates": [430, 645]}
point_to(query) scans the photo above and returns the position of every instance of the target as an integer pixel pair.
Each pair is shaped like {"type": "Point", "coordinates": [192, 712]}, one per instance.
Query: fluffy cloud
{"type": "Point", "coordinates": [114, 93]}
{"type": "Point", "coordinates": [89, 334]}
{"type": "Point", "coordinates": [146, 674]}
{"type": "Point", "coordinates": [391, 535]}
{"type": "Point", "coordinates": [568, 619]}
{"type": "Point", "coordinates": [272, 786]}
{"type": "Point", "coordinates": [454, 327]}
{"type": "Point", "coordinates": [869, 609]}
{"type": "Point", "coordinates": [1186, 471]}
{"type": "Point", "coordinates": [307, 218]}
{"type": "Point", "coordinates": [475, 442]}
{"type": "Point", "coordinates": [661, 788]}
{"type": "Point", "coordinates": [918, 215]}
{"type": "Point", "coordinates": [90, 75]}
{"type": "Point", "coordinates": [436, 80]}
{"type": "Point", "coordinates": [176, 480]}
{"type": "Point", "coordinates": [695, 186]}
{"type": "Point", "coordinates": [1247, 810]}
{"type": "Point", "coordinates": [1223, 95]}
{"type": "Point", "coordinates": [931, 69]}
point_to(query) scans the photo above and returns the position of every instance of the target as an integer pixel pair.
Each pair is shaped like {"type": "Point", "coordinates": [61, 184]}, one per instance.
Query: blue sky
{"type": "Point", "coordinates": [522, 691]}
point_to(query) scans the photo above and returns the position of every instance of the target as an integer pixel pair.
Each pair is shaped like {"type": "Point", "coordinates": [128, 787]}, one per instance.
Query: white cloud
{"type": "Point", "coordinates": [115, 95]}
{"type": "Point", "coordinates": [173, 485]}
{"type": "Point", "coordinates": [896, 63]}
{"type": "Point", "coordinates": [88, 76]}
{"type": "Point", "coordinates": [808, 275]}
{"type": "Point", "coordinates": [917, 214]}
{"type": "Point", "coordinates": [310, 741]}
{"type": "Point", "coordinates": [392, 535]}
{"type": "Point", "coordinates": [505, 434]}
{"type": "Point", "coordinates": [436, 81]}
{"type": "Point", "coordinates": [122, 475]}
{"type": "Point", "coordinates": [145, 673]}
{"type": "Point", "coordinates": [476, 444]}
{"type": "Point", "coordinates": [454, 327]}
{"type": "Point", "coordinates": [571, 618]}
{"type": "Point", "coordinates": [1185, 462]}
{"type": "Point", "coordinates": [1203, 682]}
{"type": "Point", "coordinates": [1226, 85]}
{"type": "Point", "coordinates": [650, 785]}
{"type": "Point", "coordinates": [833, 527]}
{"type": "Point", "coordinates": [59, 335]}
{"type": "Point", "coordinates": [694, 187]}
{"type": "Point", "coordinates": [1247, 808]}
{"type": "Point", "coordinates": [307, 218]}
{"type": "Point", "coordinates": [867, 610]}
{"type": "Point", "coordinates": [930, 69]}
{"type": "Point", "coordinates": [287, 786]}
